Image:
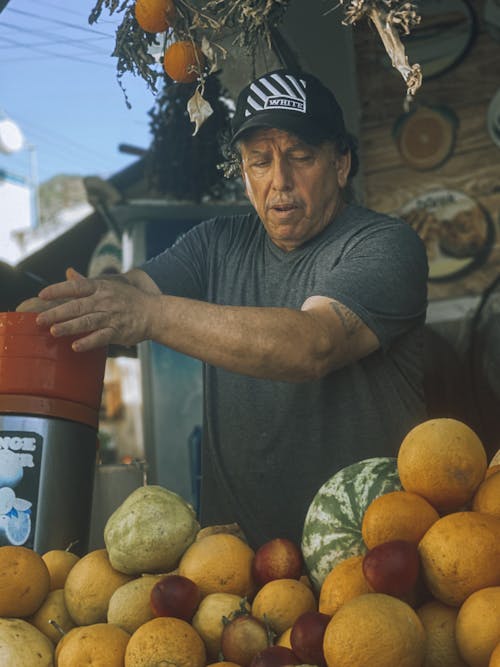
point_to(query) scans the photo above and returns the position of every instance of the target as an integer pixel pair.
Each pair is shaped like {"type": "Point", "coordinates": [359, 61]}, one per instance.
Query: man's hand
{"type": "Point", "coordinates": [37, 305]}
{"type": "Point", "coordinates": [103, 310]}
{"type": "Point", "coordinates": [34, 305]}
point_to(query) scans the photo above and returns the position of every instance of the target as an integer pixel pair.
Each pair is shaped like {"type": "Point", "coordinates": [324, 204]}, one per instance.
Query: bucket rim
{"type": "Point", "coordinates": [20, 404]}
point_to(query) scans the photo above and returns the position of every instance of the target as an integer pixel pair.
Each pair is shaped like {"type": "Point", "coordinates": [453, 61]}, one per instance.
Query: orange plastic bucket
{"type": "Point", "coordinates": [34, 363]}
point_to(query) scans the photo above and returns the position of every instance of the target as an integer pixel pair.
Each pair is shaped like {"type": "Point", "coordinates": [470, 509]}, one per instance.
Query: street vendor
{"type": "Point", "coordinates": [308, 314]}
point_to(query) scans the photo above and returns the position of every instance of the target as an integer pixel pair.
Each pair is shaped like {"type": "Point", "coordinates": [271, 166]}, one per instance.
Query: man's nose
{"type": "Point", "coordinates": [282, 175]}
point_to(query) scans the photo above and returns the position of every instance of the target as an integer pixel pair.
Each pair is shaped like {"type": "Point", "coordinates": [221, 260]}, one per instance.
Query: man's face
{"type": "Point", "coordinates": [294, 187]}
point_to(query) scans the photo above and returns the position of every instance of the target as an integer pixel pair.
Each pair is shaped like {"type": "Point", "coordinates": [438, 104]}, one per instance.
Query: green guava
{"type": "Point", "coordinates": [150, 531]}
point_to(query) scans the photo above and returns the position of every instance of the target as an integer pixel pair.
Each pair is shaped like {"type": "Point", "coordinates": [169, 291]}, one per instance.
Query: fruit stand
{"type": "Point", "coordinates": [399, 560]}
{"type": "Point", "coordinates": [399, 563]}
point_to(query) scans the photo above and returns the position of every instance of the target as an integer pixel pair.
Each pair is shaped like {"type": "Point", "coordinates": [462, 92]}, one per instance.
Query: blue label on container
{"type": "Point", "coordinates": [20, 460]}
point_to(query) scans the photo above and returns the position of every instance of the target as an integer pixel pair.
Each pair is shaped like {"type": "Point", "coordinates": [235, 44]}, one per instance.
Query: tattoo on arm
{"type": "Point", "coordinates": [350, 322]}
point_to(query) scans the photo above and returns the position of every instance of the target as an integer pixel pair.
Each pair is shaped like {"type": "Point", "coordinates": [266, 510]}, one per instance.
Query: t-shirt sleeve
{"type": "Point", "coordinates": [181, 269]}
{"type": "Point", "coordinates": [382, 277]}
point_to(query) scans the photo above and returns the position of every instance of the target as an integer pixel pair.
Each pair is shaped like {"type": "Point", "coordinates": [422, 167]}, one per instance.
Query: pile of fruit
{"type": "Point", "coordinates": [399, 566]}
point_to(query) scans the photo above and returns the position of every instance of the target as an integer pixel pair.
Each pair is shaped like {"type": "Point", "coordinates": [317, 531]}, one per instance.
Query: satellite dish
{"type": "Point", "coordinates": [11, 137]}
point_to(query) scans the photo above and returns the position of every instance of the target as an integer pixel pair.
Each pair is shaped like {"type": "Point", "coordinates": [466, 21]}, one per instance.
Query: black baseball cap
{"type": "Point", "coordinates": [289, 100]}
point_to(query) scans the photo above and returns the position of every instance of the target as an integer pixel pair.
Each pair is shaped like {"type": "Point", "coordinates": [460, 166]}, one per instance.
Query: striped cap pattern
{"type": "Point", "coordinates": [290, 100]}
{"type": "Point", "coordinates": [276, 91]}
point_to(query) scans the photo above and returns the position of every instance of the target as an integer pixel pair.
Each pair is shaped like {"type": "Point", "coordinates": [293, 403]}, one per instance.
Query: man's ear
{"type": "Point", "coordinates": [343, 165]}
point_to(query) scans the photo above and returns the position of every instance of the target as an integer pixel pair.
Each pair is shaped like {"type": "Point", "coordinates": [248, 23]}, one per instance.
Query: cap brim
{"type": "Point", "coordinates": [282, 120]}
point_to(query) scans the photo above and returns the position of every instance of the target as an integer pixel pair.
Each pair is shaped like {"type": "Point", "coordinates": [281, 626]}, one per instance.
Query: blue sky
{"type": "Point", "coordinates": [58, 83]}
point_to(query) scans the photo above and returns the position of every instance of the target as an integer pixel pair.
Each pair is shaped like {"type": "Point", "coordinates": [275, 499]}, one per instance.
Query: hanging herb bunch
{"type": "Point", "coordinates": [183, 166]}
{"type": "Point", "coordinates": [189, 35]}
{"type": "Point", "coordinates": [389, 18]}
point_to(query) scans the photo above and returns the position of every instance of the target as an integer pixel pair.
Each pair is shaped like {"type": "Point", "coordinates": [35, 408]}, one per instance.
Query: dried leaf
{"type": "Point", "coordinates": [199, 110]}
{"type": "Point", "coordinates": [209, 53]}
{"type": "Point", "coordinates": [206, 48]}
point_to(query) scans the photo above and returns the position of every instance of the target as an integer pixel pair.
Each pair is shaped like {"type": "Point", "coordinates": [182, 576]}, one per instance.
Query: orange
{"type": "Point", "coordinates": [183, 61]}
{"type": "Point", "coordinates": [284, 639]}
{"type": "Point", "coordinates": [495, 657]}
{"type": "Point", "coordinates": [53, 609]}
{"type": "Point", "coordinates": [89, 586]}
{"type": "Point", "coordinates": [281, 601]}
{"type": "Point", "coordinates": [24, 581]}
{"type": "Point", "coordinates": [344, 582]}
{"type": "Point", "coordinates": [478, 626]}
{"type": "Point", "coordinates": [165, 640]}
{"type": "Point", "coordinates": [460, 554]}
{"type": "Point", "coordinates": [487, 497]}
{"type": "Point", "coordinates": [439, 621]}
{"type": "Point", "coordinates": [374, 630]}
{"type": "Point", "coordinates": [444, 461]}
{"type": "Point", "coordinates": [23, 645]}
{"type": "Point", "coordinates": [130, 605]}
{"type": "Point", "coordinates": [208, 620]}
{"type": "Point", "coordinates": [99, 645]}
{"type": "Point", "coordinates": [59, 562]}
{"type": "Point", "coordinates": [397, 515]}
{"type": "Point", "coordinates": [155, 15]}
{"type": "Point", "coordinates": [219, 563]}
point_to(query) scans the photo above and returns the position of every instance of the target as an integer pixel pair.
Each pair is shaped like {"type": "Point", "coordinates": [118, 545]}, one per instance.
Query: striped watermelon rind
{"type": "Point", "coordinates": [332, 527]}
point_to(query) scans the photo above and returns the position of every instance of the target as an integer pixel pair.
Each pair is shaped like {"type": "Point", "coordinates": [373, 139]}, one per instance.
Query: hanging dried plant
{"type": "Point", "coordinates": [180, 165]}
{"type": "Point", "coordinates": [132, 45]}
{"type": "Point", "coordinates": [247, 22]}
{"type": "Point", "coordinates": [388, 16]}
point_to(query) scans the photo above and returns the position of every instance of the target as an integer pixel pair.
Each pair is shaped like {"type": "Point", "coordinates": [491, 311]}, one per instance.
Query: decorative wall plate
{"type": "Point", "coordinates": [458, 233]}
{"type": "Point", "coordinates": [493, 118]}
{"type": "Point", "coordinates": [426, 136]}
{"type": "Point", "coordinates": [492, 18]}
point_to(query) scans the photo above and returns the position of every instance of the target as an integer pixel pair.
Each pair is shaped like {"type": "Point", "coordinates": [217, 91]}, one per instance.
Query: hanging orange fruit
{"type": "Point", "coordinates": [183, 61]}
{"type": "Point", "coordinates": [155, 15]}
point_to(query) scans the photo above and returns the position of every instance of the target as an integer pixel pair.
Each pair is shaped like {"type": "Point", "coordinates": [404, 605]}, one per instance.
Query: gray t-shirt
{"type": "Point", "coordinates": [267, 445]}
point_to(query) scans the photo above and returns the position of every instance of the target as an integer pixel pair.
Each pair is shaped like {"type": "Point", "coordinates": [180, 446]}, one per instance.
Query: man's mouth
{"type": "Point", "coordinates": [283, 207]}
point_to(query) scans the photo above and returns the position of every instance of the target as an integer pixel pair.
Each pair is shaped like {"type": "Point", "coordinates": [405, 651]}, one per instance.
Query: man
{"type": "Point", "coordinates": [307, 314]}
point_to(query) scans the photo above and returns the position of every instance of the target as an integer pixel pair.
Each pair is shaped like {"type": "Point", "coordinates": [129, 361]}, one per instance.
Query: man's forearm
{"type": "Point", "coordinates": [274, 343]}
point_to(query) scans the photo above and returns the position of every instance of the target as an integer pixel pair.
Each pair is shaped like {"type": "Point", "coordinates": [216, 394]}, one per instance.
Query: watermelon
{"type": "Point", "coordinates": [332, 527]}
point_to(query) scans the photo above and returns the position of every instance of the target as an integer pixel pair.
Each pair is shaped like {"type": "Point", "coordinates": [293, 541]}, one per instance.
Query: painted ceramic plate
{"type": "Point", "coordinates": [457, 231]}
{"type": "Point", "coordinates": [493, 119]}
